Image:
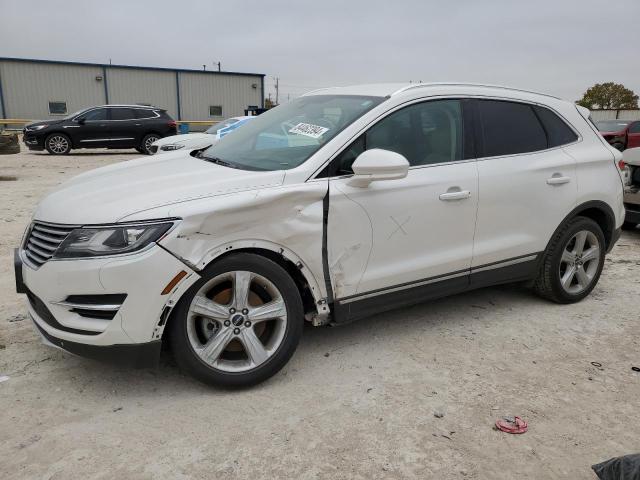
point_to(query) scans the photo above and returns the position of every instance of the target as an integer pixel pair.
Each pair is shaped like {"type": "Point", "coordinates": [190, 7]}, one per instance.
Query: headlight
{"type": "Point", "coordinates": [111, 240]}
{"type": "Point", "coordinates": [171, 146]}
{"type": "Point", "coordinates": [37, 127]}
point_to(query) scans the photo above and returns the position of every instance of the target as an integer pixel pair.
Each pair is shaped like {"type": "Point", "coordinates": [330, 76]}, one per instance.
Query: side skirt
{"type": "Point", "coordinates": [369, 303]}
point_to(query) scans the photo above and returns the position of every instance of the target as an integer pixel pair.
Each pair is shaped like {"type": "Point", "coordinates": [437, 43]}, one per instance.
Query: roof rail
{"type": "Point", "coordinates": [463, 84]}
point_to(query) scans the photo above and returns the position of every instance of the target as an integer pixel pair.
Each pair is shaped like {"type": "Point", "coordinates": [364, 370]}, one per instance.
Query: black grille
{"type": "Point", "coordinates": [43, 240]}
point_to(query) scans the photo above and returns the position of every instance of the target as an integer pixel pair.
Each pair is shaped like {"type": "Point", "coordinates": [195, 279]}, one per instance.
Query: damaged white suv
{"type": "Point", "coordinates": [337, 205]}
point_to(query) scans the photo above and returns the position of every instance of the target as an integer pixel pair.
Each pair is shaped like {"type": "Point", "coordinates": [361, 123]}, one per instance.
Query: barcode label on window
{"type": "Point", "coordinates": [309, 130]}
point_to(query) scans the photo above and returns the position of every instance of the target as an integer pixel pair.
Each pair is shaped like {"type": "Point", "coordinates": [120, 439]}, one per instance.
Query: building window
{"type": "Point", "coordinates": [58, 108]}
{"type": "Point", "coordinates": [215, 111]}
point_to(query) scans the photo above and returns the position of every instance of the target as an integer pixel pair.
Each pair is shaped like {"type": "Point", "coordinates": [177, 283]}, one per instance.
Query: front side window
{"type": "Point", "coordinates": [96, 115]}
{"type": "Point", "coordinates": [286, 136]}
{"type": "Point", "coordinates": [424, 133]}
{"type": "Point", "coordinates": [58, 108]}
{"type": "Point", "coordinates": [122, 114]}
{"type": "Point", "coordinates": [509, 128]}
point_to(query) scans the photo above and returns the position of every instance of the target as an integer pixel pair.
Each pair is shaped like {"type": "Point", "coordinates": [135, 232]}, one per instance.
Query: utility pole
{"type": "Point", "coordinates": [277, 86]}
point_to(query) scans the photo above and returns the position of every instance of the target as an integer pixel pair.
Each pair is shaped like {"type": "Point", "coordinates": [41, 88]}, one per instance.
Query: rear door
{"type": "Point", "coordinates": [125, 127]}
{"type": "Point", "coordinates": [633, 135]}
{"type": "Point", "coordinates": [93, 129]}
{"type": "Point", "coordinates": [527, 185]}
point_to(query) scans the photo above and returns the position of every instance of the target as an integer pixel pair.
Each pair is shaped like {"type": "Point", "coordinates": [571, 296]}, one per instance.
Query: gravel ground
{"type": "Point", "coordinates": [357, 401]}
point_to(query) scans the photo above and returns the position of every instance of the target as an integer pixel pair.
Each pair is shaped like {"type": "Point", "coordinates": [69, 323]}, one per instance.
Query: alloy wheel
{"type": "Point", "coordinates": [236, 321]}
{"type": "Point", "coordinates": [58, 144]}
{"type": "Point", "coordinates": [579, 262]}
{"type": "Point", "coordinates": [149, 141]}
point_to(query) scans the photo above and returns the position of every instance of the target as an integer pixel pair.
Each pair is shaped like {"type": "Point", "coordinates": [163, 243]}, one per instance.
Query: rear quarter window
{"type": "Point", "coordinates": [558, 132]}
{"type": "Point", "coordinates": [146, 113]}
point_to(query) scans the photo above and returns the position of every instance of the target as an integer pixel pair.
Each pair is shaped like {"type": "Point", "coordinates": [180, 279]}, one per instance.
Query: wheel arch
{"type": "Point", "coordinates": [598, 211]}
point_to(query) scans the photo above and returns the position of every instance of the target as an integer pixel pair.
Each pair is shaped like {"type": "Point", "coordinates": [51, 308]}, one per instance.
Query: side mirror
{"type": "Point", "coordinates": [377, 164]}
{"type": "Point", "coordinates": [81, 121]}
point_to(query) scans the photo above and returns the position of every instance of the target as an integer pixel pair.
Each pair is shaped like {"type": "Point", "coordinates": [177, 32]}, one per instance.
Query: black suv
{"type": "Point", "coordinates": [106, 126]}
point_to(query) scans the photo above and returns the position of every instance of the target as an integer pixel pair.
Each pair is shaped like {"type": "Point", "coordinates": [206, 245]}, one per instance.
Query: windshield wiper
{"type": "Point", "coordinates": [218, 161]}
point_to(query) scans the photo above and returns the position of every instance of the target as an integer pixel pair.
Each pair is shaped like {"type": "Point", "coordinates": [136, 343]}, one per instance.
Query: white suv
{"type": "Point", "coordinates": [337, 205]}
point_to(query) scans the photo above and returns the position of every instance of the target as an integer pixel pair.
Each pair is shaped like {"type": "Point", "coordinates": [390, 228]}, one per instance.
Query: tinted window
{"type": "Point", "coordinates": [122, 114]}
{"type": "Point", "coordinates": [558, 132]}
{"type": "Point", "coordinates": [96, 115]}
{"type": "Point", "coordinates": [425, 133]}
{"type": "Point", "coordinates": [510, 128]}
{"type": "Point", "coordinates": [144, 113]}
{"type": "Point", "coordinates": [635, 128]}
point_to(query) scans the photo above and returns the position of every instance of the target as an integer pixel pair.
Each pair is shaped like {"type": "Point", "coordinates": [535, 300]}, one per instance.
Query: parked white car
{"type": "Point", "coordinates": [337, 205]}
{"type": "Point", "coordinates": [198, 140]}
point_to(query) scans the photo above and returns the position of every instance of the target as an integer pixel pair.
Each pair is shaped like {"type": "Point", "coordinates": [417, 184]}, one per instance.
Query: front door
{"type": "Point", "coordinates": [399, 241]}
{"type": "Point", "coordinates": [93, 129]}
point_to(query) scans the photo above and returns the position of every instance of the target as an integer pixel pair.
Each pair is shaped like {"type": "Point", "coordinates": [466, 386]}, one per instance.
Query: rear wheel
{"type": "Point", "coordinates": [573, 262]}
{"type": "Point", "coordinates": [148, 139]}
{"type": "Point", "coordinates": [141, 150]}
{"type": "Point", "coordinates": [58, 144]}
{"type": "Point", "coordinates": [239, 324]}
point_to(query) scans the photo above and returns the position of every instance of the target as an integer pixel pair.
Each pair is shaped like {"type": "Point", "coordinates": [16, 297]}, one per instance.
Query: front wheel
{"type": "Point", "coordinates": [58, 144]}
{"type": "Point", "coordinates": [239, 324]}
{"type": "Point", "coordinates": [573, 262]}
{"type": "Point", "coordinates": [147, 141]}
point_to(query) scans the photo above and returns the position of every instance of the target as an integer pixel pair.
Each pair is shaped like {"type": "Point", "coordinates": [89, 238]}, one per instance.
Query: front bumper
{"type": "Point", "coordinates": [33, 141]}
{"type": "Point", "coordinates": [127, 333]}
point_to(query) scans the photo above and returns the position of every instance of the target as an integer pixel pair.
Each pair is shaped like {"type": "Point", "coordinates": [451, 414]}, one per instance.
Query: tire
{"type": "Point", "coordinates": [141, 150]}
{"type": "Point", "coordinates": [58, 144]}
{"type": "Point", "coordinates": [563, 254]}
{"type": "Point", "coordinates": [147, 140]}
{"type": "Point", "coordinates": [212, 347]}
{"type": "Point", "coordinates": [629, 226]}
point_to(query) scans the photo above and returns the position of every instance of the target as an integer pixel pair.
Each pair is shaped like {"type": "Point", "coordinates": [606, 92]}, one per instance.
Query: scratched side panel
{"type": "Point", "coordinates": [285, 219]}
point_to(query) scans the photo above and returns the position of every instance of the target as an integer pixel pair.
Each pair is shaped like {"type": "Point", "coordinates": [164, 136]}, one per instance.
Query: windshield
{"type": "Point", "coordinates": [219, 126]}
{"type": "Point", "coordinates": [286, 136]}
{"type": "Point", "coordinates": [612, 125]}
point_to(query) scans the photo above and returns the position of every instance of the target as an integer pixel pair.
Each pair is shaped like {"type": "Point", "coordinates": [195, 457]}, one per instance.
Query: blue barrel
{"type": "Point", "coordinates": [184, 128]}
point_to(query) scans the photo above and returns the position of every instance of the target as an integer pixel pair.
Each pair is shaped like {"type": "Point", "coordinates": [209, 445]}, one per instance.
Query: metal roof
{"type": "Point", "coordinates": [133, 67]}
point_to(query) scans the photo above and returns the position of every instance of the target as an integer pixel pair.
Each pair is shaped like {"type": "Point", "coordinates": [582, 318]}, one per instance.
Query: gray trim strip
{"type": "Point", "coordinates": [419, 283]}
{"type": "Point", "coordinates": [88, 306]}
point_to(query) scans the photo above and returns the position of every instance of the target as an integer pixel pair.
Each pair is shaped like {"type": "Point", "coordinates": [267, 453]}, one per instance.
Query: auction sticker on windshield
{"type": "Point", "coordinates": [309, 130]}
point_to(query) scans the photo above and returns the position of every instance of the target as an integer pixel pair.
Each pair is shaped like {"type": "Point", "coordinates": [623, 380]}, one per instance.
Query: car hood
{"type": "Point", "coordinates": [44, 122]}
{"type": "Point", "coordinates": [186, 138]}
{"type": "Point", "coordinates": [108, 194]}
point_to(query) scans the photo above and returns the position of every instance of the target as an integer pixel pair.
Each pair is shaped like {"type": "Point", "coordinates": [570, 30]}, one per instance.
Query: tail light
{"type": "Point", "coordinates": [621, 164]}
{"type": "Point", "coordinates": [172, 124]}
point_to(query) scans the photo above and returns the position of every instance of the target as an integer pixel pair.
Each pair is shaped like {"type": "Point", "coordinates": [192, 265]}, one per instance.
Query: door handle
{"type": "Point", "coordinates": [558, 180]}
{"type": "Point", "coordinates": [455, 195]}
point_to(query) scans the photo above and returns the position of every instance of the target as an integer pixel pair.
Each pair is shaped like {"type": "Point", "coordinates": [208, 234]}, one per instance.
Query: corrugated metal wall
{"type": "Point", "coordinates": [597, 115]}
{"type": "Point", "coordinates": [152, 87]}
{"type": "Point", "coordinates": [199, 91]}
{"type": "Point", "coordinates": [29, 87]}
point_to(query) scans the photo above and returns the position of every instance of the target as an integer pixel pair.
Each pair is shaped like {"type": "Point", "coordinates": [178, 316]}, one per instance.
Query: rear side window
{"type": "Point", "coordinates": [122, 114]}
{"type": "Point", "coordinates": [509, 128]}
{"type": "Point", "coordinates": [145, 113]}
{"type": "Point", "coordinates": [558, 132]}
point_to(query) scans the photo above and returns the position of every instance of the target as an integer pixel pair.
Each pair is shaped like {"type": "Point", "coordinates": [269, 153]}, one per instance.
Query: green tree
{"type": "Point", "coordinates": [609, 96]}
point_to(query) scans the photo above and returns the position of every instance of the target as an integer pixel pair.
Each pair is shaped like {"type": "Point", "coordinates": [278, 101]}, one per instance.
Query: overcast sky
{"type": "Point", "coordinates": [556, 46]}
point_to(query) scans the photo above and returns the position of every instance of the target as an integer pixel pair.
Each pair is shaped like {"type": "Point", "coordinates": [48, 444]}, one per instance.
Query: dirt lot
{"type": "Point", "coordinates": [355, 402]}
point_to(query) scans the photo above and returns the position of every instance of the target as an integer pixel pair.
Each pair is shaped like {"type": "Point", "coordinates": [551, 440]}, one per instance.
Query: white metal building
{"type": "Point", "coordinates": [40, 89]}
